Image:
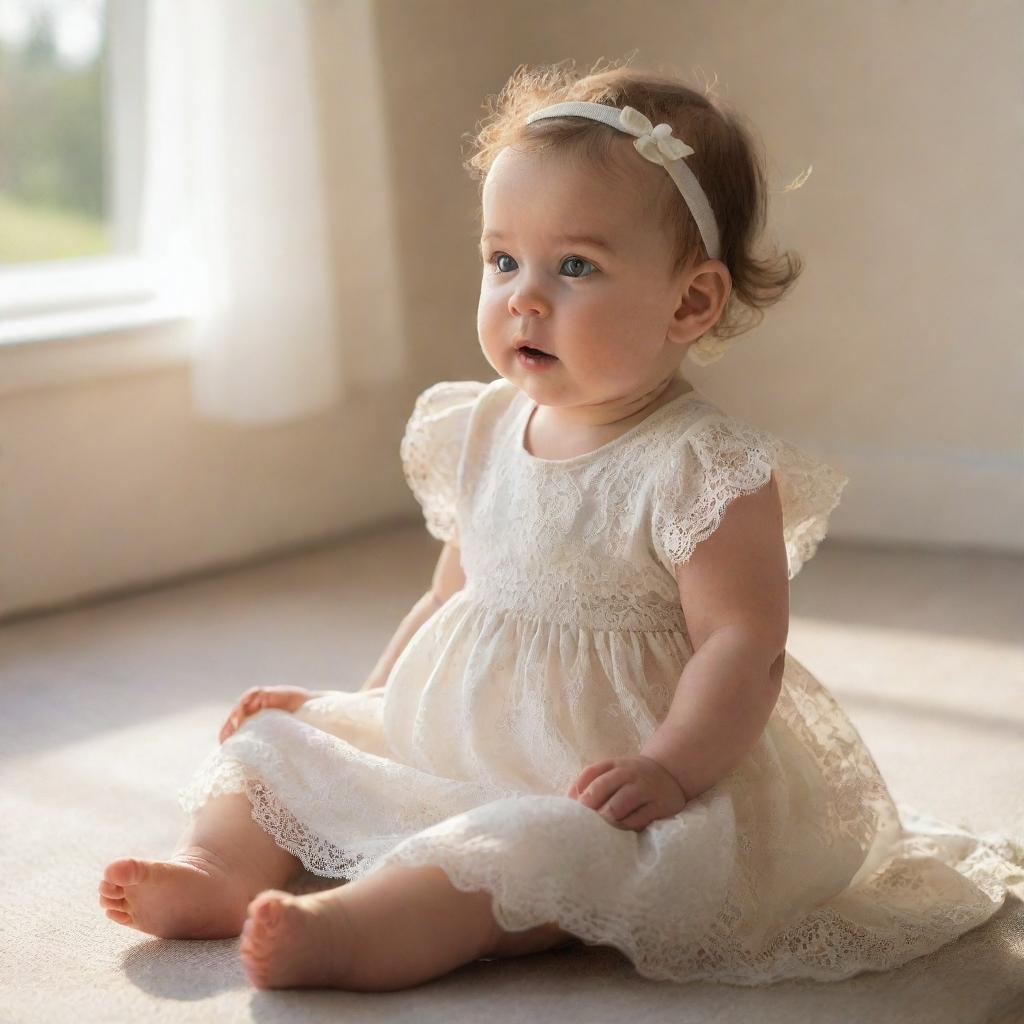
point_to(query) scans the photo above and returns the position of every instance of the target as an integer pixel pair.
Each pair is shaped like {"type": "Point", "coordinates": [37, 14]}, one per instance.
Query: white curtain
{"type": "Point", "coordinates": [233, 208]}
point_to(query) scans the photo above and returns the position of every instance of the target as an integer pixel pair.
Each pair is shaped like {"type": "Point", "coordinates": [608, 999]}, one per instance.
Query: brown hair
{"type": "Point", "coordinates": [726, 161]}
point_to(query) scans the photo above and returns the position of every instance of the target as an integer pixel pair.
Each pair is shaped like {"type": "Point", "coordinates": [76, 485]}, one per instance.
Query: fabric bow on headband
{"type": "Point", "coordinates": [658, 144]}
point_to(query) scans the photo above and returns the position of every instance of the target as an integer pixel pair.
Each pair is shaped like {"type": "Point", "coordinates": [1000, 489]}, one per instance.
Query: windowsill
{"type": "Point", "coordinates": [66, 321]}
{"type": "Point", "coordinates": [90, 344]}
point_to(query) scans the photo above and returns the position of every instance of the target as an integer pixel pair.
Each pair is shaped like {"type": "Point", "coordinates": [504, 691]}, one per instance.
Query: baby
{"type": "Point", "coordinates": [588, 729]}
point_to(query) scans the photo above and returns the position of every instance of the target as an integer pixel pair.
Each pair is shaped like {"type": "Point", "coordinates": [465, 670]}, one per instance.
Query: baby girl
{"type": "Point", "coordinates": [588, 730]}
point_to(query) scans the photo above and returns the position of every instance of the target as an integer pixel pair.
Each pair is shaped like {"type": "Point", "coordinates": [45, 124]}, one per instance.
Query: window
{"type": "Point", "coordinates": [72, 94]}
{"type": "Point", "coordinates": [55, 181]}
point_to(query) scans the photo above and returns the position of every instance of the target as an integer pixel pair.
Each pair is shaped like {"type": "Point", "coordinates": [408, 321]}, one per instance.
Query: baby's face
{"type": "Point", "coordinates": [602, 312]}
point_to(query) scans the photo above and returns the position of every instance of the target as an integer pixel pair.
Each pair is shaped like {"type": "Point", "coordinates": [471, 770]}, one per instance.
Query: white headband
{"type": "Point", "coordinates": [656, 144]}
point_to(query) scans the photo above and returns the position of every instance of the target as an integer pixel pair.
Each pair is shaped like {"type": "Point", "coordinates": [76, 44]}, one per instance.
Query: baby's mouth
{"type": "Point", "coordinates": [535, 353]}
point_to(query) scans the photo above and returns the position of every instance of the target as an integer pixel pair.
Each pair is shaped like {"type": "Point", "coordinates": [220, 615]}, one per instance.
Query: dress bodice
{"type": "Point", "coordinates": [593, 540]}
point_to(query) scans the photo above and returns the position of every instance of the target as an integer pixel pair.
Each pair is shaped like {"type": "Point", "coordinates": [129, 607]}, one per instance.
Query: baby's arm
{"type": "Point", "coordinates": [448, 578]}
{"type": "Point", "coordinates": [735, 596]}
{"type": "Point", "coordinates": [734, 590]}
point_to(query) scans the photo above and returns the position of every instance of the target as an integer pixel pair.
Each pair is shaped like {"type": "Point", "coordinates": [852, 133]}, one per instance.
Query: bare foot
{"type": "Point", "coordinates": [189, 896]}
{"type": "Point", "coordinates": [297, 942]}
{"type": "Point", "coordinates": [392, 929]}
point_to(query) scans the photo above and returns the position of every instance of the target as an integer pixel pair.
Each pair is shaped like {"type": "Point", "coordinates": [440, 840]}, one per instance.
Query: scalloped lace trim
{"type": "Point", "coordinates": [733, 458]}
{"type": "Point", "coordinates": [430, 450]}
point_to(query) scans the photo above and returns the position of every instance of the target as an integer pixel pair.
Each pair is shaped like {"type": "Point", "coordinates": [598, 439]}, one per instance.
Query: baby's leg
{"type": "Point", "coordinates": [221, 862]}
{"type": "Point", "coordinates": [392, 929]}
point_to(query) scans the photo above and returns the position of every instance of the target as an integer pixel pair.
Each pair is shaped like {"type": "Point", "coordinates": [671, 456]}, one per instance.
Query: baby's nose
{"type": "Point", "coordinates": [528, 303]}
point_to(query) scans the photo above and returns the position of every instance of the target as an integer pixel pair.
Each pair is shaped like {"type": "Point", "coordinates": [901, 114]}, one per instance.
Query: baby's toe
{"type": "Point", "coordinates": [125, 872]}
{"type": "Point", "coordinates": [264, 912]}
{"type": "Point", "coordinates": [110, 890]}
{"type": "Point", "coordinates": [259, 935]}
{"type": "Point", "coordinates": [259, 946]}
{"type": "Point", "coordinates": [113, 904]}
{"type": "Point", "coordinates": [253, 948]}
{"type": "Point", "coordinates": [120, 916]}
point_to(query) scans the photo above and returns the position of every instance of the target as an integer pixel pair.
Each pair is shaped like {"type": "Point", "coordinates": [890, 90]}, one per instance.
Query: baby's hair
{"type": "Point", "coordinates": [726, 161]}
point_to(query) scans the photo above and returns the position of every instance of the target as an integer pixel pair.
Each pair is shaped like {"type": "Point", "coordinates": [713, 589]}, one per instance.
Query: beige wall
{"type": "Point", "coordinates": [897, 355]}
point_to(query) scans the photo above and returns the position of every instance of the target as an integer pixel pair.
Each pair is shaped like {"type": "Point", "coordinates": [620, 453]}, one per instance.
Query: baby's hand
{"type": "Point", "coordinates": [283, 698]}
{"type": "Point", "coordinates": [629, 792]}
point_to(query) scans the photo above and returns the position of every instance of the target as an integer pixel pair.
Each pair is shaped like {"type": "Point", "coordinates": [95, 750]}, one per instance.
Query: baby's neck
{"type": "Point", "coordinates": [617, 415]}
{"type": "Point", "coordinates": [549, 436]}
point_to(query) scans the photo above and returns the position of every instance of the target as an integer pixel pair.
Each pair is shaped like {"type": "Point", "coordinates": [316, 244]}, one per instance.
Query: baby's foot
{"type": "Point", "coordinates": [297, 942]}
{"type": "Point", "coordinates": [190, 896]}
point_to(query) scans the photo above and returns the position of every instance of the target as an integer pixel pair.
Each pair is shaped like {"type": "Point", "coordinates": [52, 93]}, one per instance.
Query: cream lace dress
{"type": "Point", "coordinates": [564, 648]}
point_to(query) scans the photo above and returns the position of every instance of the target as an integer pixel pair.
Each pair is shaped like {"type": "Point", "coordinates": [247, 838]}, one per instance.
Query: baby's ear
{"type": "Point", "coordinates": [704, 290]}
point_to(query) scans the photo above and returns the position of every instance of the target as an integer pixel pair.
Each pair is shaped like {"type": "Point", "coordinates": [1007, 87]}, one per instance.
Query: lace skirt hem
{"type": "Point", "coordinates": [520, 851]}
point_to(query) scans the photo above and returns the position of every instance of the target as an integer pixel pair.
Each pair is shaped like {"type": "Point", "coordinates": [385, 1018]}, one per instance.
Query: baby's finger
{"type": "Point", "coordinates": [640, 818]}
{"type": "Point", "coordinates": [231, 725]}
{"type": "Point", "coordinates": [588, 775]}
{"type": "Point", "coordinates": [624, 801]}
{"type": "Point", "coordinates": [601, 789]}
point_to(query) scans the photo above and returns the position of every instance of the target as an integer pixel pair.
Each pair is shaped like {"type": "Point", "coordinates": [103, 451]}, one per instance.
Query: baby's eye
{"type": "Point", "coordinates": [496, 259]}
{"type": "Point", "coordinates": [579, 259]}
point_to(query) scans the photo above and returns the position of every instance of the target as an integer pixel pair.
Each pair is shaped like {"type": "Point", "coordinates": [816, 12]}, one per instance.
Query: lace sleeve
{"type": "Point", "coordinates": [721, 458]}
{"type": "Point", "coordinates": [431, 448]}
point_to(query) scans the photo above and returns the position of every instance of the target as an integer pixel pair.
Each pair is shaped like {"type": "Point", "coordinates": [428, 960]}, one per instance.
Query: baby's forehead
{"type": "Point", "coordinates": [566, 193]}
{"type": "Point", "coordinates": [616, 168]}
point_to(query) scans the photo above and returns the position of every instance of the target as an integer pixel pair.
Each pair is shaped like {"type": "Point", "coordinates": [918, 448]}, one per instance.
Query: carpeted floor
{"type": "Point", "coordinates": [108, 708]}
